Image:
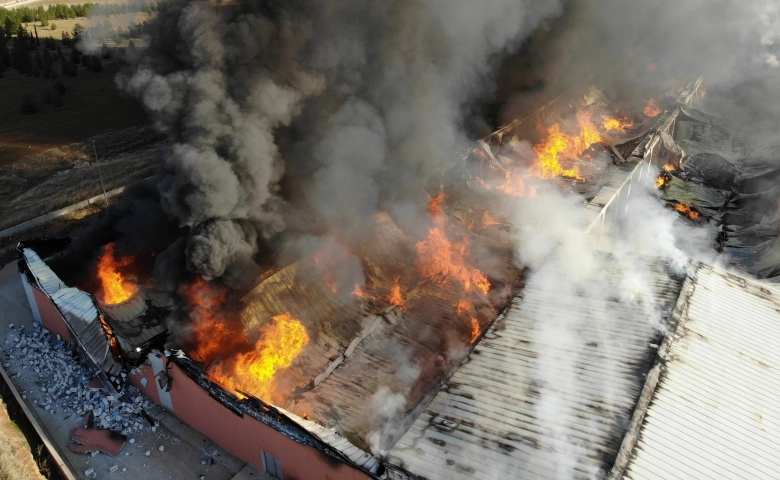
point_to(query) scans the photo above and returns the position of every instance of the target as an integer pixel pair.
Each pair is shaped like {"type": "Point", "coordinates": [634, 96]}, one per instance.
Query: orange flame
{"type": "Point", "coordinates": [612, 124]}
{"type": "Point", "coordinates": [358, 292]}
{"type": "Point", "coordinates": [660, 182]}
{"type": "Point", "coordinates": [488, 220]}
{"type": "Point", "coordinates": [559, 146]}
{"type": "Point", "coordinates": [475, 330]}
{"type": "Point", "coordinates": [703, 92]}
{"type": "Point", "coordinates": [652, 110]}
{"type": "Point", "coordinates": [435, 205]}
{"type": "Point", "coordinates": [687, 211]}
{"type": "Point", "coordinates": [464, 306]}
{"type": "Point", "coordinates": [114, 286]}
{"type": "Point", "coordinates": [444, 262]}
{"type": "Point", "coordinates": [395, 297]}
{"type": "Point", "coordinates": [669, 167]}
{"type": "Point", "coordinates": [213, 334]}
{"type": "Point", "coordinates": [281, 341]}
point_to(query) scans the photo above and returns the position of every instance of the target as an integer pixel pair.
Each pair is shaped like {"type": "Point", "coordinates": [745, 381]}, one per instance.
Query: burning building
{"type": "Point", "coordinates": [372, 308]}
{"type": "Point", "coordinates": [430, 361]}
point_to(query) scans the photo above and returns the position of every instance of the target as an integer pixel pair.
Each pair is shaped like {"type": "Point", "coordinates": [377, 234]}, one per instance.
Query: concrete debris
{"type": "Point", "coordinates": [113, 468]}
{"type": "Point", "coordinates": [162, 448]}
{"type": "Point", "coordinates": [65, 384]}
{"type": "Point", "coordinates": [89, 471]}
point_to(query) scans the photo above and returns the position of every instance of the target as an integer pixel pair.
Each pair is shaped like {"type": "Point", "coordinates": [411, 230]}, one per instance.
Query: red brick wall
{"type": "Point", "coordinates": [246, 437]}
{"type": "Point", "coordinates": [150, 390]}
{"type": "Point", "coordinates": [50, 316]}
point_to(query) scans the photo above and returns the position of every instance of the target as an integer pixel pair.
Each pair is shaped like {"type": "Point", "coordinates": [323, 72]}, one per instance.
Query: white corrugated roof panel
{"type": "Point", "coordinates": [715, 411]}
{"type": "Point", "coordinates": [542, 397]}
{"type": "Point", "coordinates": [48, 281]}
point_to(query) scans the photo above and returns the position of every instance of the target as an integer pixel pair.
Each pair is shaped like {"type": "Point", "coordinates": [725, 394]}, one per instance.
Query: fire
{"type": "Point", "coordinates": [475, 329]}
{"type": "Point", "coordinates": [358, 292]}
{"type": "Point", "coordinates": [115, 288]}
{"type": "Point", "coordinates": [464, 306]}
{"type": "Point", "coordinates": [687, 211]}
{"type": "Point", "coordinates": [514, 186]}
{"type": "Point", "coordinates": [612, 124]}
{"type": "Point", "coordinates": [212, 333]}
{"type": "Point", "coordinates": [559, 146]}
{"type": "Point", "coordinates": [669, 167]}
{"type": "Point", "coordinates": [435, 205]}
{"type": "Point", "coordinates": [488, 220]}
{"type": "Point", "coordinates": [395, 297]}
{"type": "Point", "coordinates": [703, 92]}
{"type": "Point", "coordinates": [661, 181]}
{"type": "Point", "coordinates": [220, 342]}
{"type": "Point", "coordinates": [281, 341]}
{"type": "Point", "coordinates": [652, 110]}
{"type": "Point", "coordinates": [443, 261]}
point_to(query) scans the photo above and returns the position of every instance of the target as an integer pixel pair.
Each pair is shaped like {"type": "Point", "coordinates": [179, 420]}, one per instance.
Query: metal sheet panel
{"type": "Point", "coordinates": [488, 420]}
{"type": "Point", "coordinates": [48, 281]}
{"type": "Point", "coordinates": [715, 411]}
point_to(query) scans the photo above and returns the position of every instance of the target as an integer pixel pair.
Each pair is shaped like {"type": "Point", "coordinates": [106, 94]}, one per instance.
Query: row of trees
{"type": "Point", "coordinates": [11, 19]}
{"type": "Point", "coordinates": [26, 56]}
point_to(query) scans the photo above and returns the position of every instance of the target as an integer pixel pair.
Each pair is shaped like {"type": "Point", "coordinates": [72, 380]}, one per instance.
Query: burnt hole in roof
{"type": "Point", "coordinates": [438, 442]}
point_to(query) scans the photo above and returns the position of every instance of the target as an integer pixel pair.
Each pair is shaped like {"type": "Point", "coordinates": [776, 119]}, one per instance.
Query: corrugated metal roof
{"type": "Point", "coordinates": [48, 281]}
{"type": "Point", "coordinates": [330, 437]}
{"type": "Point", "coordinates": [715, 411]}
{"type": "Point", "coordinates": [80, 313]}
{"type": "Point", "coordinates": [485, 421]}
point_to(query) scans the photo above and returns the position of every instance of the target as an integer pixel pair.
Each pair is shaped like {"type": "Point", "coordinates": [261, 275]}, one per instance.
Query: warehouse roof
{"type": "Point", "coordinates": [715, 411]}
{"type": "Point", "coordinates": [490, 419]}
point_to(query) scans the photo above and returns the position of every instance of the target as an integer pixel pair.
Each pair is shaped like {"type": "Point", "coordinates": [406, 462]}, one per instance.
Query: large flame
{"type": "Point", "coordinates": [115, 288]}
{"type": "Point", "coordinates": [558, 146]}
{"type": "Point", "coordinates": [220, 342]}
{"type": "Point", "coordinates": [281, 341]}
{"type": "Point", "coordinates": [443, 261]}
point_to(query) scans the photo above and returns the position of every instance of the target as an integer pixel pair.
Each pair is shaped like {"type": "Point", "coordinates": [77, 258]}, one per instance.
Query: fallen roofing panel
{"type": "Point", "coordinates": [715, 411]}
{"type": "Point", "coordinates": [530, 402]}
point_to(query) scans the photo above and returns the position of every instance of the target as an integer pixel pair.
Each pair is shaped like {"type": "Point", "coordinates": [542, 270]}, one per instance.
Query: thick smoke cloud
{"type": "Point", "coordinates": [366, 99]}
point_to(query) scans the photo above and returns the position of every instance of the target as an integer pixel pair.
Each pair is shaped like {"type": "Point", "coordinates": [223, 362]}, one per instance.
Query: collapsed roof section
{"type": "Point", "coordinates": [109, 336]}
{"type": "Point", "coordinates": [359, 344]}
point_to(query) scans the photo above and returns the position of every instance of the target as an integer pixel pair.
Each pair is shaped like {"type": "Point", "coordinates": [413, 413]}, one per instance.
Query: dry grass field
{"type": "Point", "coordinates": [92, 105]}
{"type": "Point", "coordinates": [66, 25]}
{"type": "Point", "coordinates": [16, 460]}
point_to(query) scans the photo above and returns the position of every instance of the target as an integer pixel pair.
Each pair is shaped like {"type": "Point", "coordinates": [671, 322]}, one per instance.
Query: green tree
{"type": "Point", "coordinates": [53, 26]}
{"type": "Point", "coordinates": [28, 104]}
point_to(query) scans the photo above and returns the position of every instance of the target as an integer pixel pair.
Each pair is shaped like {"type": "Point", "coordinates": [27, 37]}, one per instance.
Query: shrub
{"type": "Point", "coordinates": [53, 26]}
{"type": "Point", "coordinates": [28, 104]}
{"type": "Point", "coordinates": [59, 88]}
{"type": "Point", "coordinates": [49, 43]}
{"type": "Point", "coordinates": [57, 101]}
{"type": "Point", "coordinates": [48, 97]}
